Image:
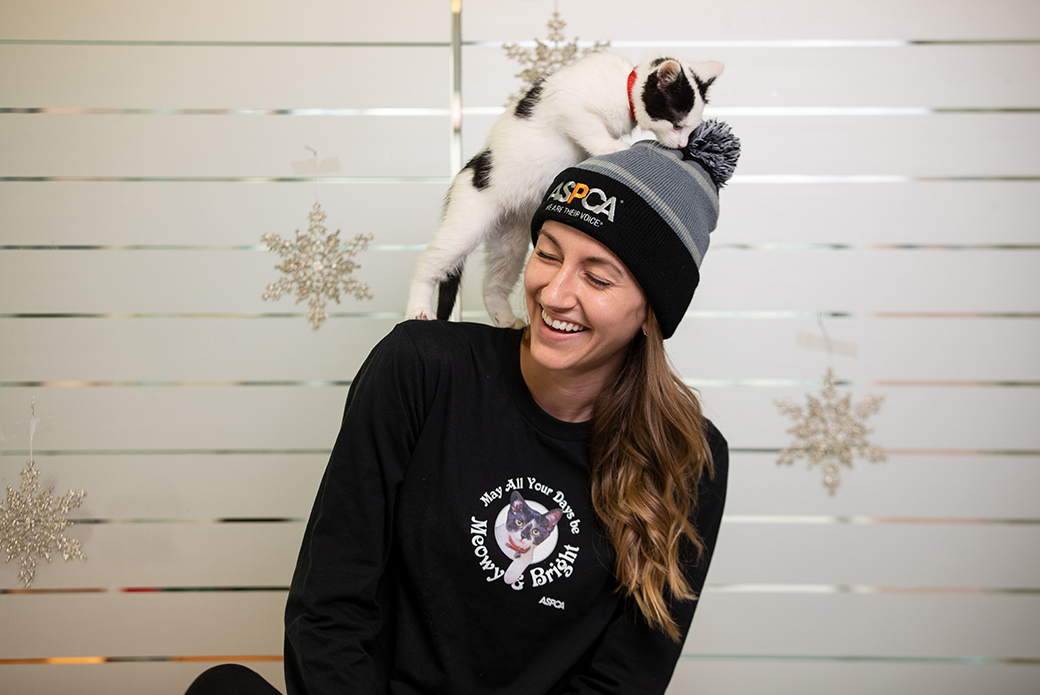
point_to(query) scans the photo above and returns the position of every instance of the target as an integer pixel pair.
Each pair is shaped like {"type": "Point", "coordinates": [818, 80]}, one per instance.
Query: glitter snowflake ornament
{"type": "Point", "coordinates": [830, 430]}
{"type": "Point", "coordinates": [546, 58]}
{"type": "Point", "coordinates": [317, 265]}
{"type": "Point", "coordinates": [33, 525]}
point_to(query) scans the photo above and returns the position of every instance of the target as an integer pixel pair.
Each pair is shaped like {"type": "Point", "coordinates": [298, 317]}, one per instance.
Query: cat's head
{"type": "Point", "coordinates": [526, 526]}
{"type": "Point", "coordinates": [669, 97]}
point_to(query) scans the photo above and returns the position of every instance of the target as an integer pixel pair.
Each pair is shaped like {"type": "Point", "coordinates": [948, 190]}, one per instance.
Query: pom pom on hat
{"type": "Point", "coordinates": [714, 145]}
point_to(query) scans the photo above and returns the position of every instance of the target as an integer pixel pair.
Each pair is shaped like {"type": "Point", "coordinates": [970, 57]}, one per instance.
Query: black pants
{"type": "Point", "coordinates": [230, 679]}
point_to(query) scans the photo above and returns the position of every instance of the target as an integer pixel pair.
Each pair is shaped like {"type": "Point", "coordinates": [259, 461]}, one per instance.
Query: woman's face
{"type": "Point", "coordinates": [585, 306]}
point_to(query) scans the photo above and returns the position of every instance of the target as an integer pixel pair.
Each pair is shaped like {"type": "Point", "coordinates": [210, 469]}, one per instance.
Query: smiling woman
{"type": "Point", "coordinates": [527, 510]}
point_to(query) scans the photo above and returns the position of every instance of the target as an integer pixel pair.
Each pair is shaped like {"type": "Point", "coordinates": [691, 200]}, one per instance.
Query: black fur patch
{"type": "Point", "coordinates": [702, 87]}
{"type": "Point", "coordinates": [671, 103]}
{"type": "Point", "coordinates": [525, 107]}
{"type": "Point", "coordinates": [658, 61]}
{"type": "Point", "coordinates": [481, 166]}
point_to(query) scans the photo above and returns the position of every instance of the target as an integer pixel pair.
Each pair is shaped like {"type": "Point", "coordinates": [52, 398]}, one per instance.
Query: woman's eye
{"type": "Point", "coordinates": [544, 256]}
{"type": "Point", "coordinates": [597, 282]}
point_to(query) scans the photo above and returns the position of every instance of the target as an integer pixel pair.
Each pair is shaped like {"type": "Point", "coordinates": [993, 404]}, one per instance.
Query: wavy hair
{"type": "Point", "coordinates": [648, 453]}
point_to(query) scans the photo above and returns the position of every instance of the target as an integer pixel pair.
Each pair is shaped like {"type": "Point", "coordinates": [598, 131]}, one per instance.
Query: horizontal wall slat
{"type": "Point", "coordinates": [906, 486]}
{"type": "Point", "coordinates": [987, 350]}
{"type": "Point", "coordinates": [753, 19]}
{"type": "Point", "coordinates": [155, 282]}
{"type": "Point", "coordinates": [220, 282]}
{"type": "Point", "coordinates": [866, 625]}
{"type": "Point", "coordinates": [178, 418]}
{"type": "Point", "coordinates": [216, 213]}
{"type": "Point", "coordinates": [170, 555]}
{"type": "Point", "coordinates": [1000, 145]}
{"type": "Point", "coordinates": [155, 77]}
{"type": "Point", "coordinates": [878, 555]}
{"type": "Point", "coordinates": [976, 489]}
{"type": "Point", "coordinates": [197, 488]}
{"type": "Point", "coordinates": [238, 20]}
{"type": "Point", "coordinates": [945, 418]}
{"type": "Point", "coordinates": [156, 678]}
{"type": "Point", "coordinates": [738, 676]}
{"type": "Point", "coordinates": [273, 417]}
{"type": "Point", "coordinates": [873, 281]}
{"type": "Point", "coordinates": [218, 145]}
{"type": "Point", "coordinates": [153, 625]}
{"type": "Point", "coordinates": [943, 212]}
{"type": "Point", "coordinates": [921, 76]}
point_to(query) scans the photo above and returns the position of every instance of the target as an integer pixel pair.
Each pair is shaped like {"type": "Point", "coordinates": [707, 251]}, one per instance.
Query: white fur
{"type": "Point", "coordinates": [583, 111]}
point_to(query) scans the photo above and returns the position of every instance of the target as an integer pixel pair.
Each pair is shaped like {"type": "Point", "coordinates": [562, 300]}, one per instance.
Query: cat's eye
{"type": "Point", "coordinates": [536, 532]}
{"type": "Point", "coordinates": [677, 126]}
{"type": "Point", "coordinates": [519, 522]}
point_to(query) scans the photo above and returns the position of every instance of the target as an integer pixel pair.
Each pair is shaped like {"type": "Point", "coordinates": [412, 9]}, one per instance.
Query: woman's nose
{"type": "Point", "coordinates": [559, 291]}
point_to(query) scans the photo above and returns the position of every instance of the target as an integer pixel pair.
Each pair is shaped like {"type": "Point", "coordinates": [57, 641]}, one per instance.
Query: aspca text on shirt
{"type": "Point", "coordinates": [517, 537]}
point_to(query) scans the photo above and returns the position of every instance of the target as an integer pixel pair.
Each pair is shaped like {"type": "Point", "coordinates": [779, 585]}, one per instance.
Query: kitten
{"type": "Point", "coordinates": [582, 110]}
{"type": "Point", "coordinates": [523, 530]}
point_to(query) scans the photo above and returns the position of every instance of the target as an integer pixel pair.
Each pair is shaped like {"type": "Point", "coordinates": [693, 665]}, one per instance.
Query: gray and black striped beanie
{"type": "Point", "coordinates": [654, 207]}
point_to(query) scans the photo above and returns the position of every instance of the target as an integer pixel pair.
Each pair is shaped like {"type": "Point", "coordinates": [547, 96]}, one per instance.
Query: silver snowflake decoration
{"type": "Point", "coordinates": [317, 265]}
{"type": "Point", "coordinates": [829, 430]}
{"type": "Point", "coordinates": [546, 58]}
{"type": "Point", "coordinates": [33, 524]}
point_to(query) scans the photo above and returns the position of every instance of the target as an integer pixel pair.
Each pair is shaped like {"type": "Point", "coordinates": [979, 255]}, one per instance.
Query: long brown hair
{"type": "Point", "coordinates": [648, 452]}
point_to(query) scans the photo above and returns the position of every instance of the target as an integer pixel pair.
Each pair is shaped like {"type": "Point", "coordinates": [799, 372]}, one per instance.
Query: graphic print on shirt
{"type": "Point", "coordinates": [524, 539]}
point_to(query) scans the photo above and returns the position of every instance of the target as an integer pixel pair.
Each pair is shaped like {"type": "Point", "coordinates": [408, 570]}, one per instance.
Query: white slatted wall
{"type": "Point", "coordinates": [890, 180]}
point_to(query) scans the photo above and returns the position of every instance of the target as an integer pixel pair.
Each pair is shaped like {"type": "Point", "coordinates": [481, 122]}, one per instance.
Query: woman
{"type": "Point", "coordinates": [530, 511]}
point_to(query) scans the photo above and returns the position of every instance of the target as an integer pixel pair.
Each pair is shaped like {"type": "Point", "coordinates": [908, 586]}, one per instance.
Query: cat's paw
{"type": "Point", "coordinates": [516, 323]}
{"type": "Point", "coordinates": [613, 146]}
{"type": "Point", "coordinates": [419, 314]}
{"type": "Point", "coordinates": [505, 318]}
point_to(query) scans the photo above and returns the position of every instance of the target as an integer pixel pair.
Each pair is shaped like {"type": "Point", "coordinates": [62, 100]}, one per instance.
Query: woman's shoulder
{"type": "Point", "coordinates": [442, 342]}
{"type": "Point", "coordinates": [434, 334]}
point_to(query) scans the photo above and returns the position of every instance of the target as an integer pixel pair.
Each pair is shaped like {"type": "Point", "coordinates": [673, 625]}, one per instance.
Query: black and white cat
{"type": "Point", "coordinates": [584, 109]}
{"type": "Point", "coordinates": [523, 530]}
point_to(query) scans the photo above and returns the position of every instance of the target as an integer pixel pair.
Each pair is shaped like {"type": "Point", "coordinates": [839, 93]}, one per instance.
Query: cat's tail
{"type": "Point", "coordinates": [446, 293]}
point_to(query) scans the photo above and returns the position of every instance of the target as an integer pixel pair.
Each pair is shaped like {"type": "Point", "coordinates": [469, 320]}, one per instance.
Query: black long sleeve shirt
{"type": "Point", "coordinates": [400, 584]}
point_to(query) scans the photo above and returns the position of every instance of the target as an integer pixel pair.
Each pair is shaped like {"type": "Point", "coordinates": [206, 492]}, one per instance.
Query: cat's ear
{"type": "Point", "coordinates": [551, 519]}
{"type": "Point", "coordinates": [667, 73]}
{"type": "Point", "coordinates": [516, 500]}
{"type": "Point", "coordinates": [706, 73]}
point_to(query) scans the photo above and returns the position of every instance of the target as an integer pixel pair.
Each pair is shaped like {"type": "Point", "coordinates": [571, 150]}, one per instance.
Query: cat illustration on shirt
{"type": "Point", "coordinates": [524, 529]}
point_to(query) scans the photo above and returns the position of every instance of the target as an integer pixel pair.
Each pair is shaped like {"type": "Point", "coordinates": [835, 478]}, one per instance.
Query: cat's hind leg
{"type": "Point", "coordinates": [469, 216]}
{"type": "Point", "coordinates": [506, 253]}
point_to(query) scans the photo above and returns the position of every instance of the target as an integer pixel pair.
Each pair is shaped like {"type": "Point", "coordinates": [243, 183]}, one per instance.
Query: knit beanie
{"type": "Point", "coordinates": [654, 207]}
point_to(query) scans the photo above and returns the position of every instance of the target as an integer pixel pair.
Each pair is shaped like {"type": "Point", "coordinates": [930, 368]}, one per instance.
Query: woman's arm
{"type": "Point", "coordinates": [333, 615]}
{"type": "Point", "coordinates": [632, 658]}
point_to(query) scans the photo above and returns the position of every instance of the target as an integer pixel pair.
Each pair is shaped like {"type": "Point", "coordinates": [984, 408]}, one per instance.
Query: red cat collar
{"type": "Point", "coordinates": [631, 83]}
{"type": "Point", "coordinates": [516, 547]}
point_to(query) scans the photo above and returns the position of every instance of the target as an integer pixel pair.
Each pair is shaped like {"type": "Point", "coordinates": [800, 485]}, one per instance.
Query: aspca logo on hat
{"type": "Point", "coordinates": [592, 199]}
